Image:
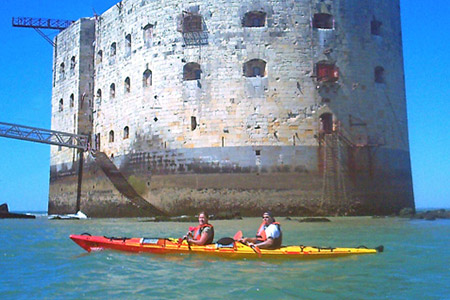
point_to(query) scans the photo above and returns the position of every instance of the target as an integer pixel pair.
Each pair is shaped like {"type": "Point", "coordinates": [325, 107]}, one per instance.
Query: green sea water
{"type": "Point", "coordinates": [39, 261]}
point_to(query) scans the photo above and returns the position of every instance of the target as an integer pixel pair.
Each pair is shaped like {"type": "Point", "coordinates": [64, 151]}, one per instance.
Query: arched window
{"type": "Point", "coordinates": [112, 90]}
{"type": "Point", "coordinates": [72, 100]}
{"type": "Point", "coordinates": [379, 75]}
{"type": "Point", "coordinates": [192, 71]}
{"type": "Point", "coordinates": [192, 23]}
{"type": "Point", "coordinates": [326, 123]}
{"type": "Point", "coordinates": [113, 49]}
{"type": "Point", "coordinates": [327, 72]}
{"type": "Point", "coordinates": [62, 71]}
{"type": "Point", "coordinates": [147, 78]}
{"type": "Point", "coordinates": [148, 35]}
{"type": "Point", "coordinates": [128, 45]}
{"type": "Point", "coordinates": [255, 68]}
{"type": "Point", "coordinates": [61, 104]}
{"type": "Point", "coordinates": [111, 136]}
{"type": "Point", "coordinates": [323, 21]}
{"type": "Point", "coordinates": [193, 123]}
{"type": "Point", "coordinates": [72, 64]}
{"type": "Point", "coordinates": [126, 132]}
{"type": "Point", "coordinates": [99, 57]}
{"type": "Point", "coordinates": [127, 85]}
{"type": "Point", "coordinates": [99, 95]}
{"type": "Point", "coordinates": [254, 19]}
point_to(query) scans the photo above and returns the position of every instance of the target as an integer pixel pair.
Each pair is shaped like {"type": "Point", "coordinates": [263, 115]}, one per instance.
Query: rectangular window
{"type": "Point", "coordinates": [375, 27]}
{"type": "Point", "coordinates": [327, 72]}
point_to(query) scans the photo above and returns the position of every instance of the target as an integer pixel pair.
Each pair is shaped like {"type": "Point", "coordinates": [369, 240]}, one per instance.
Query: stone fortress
{"type": "Point", "coordinates": [297, 106]}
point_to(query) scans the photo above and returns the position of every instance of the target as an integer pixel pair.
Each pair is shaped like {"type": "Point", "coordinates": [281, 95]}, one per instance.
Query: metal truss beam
{"type": "Point", "coordinates": [44, 136]}
{"type": "Point", "coordinates": [41, 23]}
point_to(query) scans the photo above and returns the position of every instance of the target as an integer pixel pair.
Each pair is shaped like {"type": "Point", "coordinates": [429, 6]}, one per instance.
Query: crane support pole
{"type": "Point", "coordinates": [80, 178]}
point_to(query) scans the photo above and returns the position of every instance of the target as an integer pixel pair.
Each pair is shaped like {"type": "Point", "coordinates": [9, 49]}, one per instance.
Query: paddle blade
{"type": "Point", "coordinates": [257, 250]}
{"type": "Point", "coordinates": [238, 236]}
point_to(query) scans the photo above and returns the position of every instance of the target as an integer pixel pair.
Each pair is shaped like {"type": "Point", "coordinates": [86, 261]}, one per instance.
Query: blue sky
{"type": "Point", "coordinates": [25, 85]}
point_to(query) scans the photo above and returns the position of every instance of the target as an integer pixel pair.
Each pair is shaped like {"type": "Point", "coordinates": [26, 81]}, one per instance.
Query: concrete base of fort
{"type": "Point", "coordinates": [297, 192]}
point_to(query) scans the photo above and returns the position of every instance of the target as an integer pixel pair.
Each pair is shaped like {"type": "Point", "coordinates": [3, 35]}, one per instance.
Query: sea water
{"type": "Point", "coordinates": [39, 261]}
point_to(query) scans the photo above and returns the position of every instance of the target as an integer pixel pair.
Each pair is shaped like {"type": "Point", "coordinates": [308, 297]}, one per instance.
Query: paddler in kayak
{"type": "Point", "coordinates": [203, 234]}
{"type": "Point", "coordinates": [269, 235]}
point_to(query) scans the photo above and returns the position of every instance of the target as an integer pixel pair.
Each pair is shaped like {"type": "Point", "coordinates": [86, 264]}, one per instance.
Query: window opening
{"type": "Point", "coordinates": [99, 95]}
{"type": "Point", "coordinates": [72, 100]}
{"type": "Point", "coordinates": [113, 49]}
{"type": "Point", "coordinates": [99, 57]}
{"type": "Point", "coordinates": [379, 75]}
{"type": "Point", "coordinates": [147, 78]}
{"type": "Point", "coordinates": [111, 136]}
{"type": "Point", "coordinates": [326, 123]}
{"type": "Point", "coordinates": [192, 22]}
{"type": "Point", "coordinates": [62, 71]}
{"type": "Point", "coordinates": [112, 90]}
{"type": "Point", "coordinates": [61, 104]}
{"type": "Point", "coordinates": [323, 21]}
{"type": "Point", "coordinates": [128, 45]}
{"type": "Point", "coordinates": [375, 27]}
{"type": "Point", "coordinates": [254, 19]}
{"type": "Point", "coordinates": [192, 71]}
{"type": "Point", "coordinates": [72, 65]}
{"type": "Point", "coordinates": [255, 68]}
{"type": "Point", "coordinates": [127, 85]}
{"type": "Point", "coordinates": [327, 72]}
{"type": "Point", "coordinates": [126, 132]}
{"type": "Point", "coordinates": [148, 35]}
{"type": "Point", "coordinates": [97, 142]}
{"type": "Point", "coordinates": [193, 123]}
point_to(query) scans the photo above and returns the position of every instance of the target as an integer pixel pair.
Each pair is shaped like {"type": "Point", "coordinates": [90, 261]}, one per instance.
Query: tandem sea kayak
{"type": "Point", "coordinates": [225, 247]}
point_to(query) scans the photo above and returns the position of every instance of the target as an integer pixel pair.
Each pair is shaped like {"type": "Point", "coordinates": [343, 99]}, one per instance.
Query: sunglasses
{"type": "Point", "coordinates": [265, 217]}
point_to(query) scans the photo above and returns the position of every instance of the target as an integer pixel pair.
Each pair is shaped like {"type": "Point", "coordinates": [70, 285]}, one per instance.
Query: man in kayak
{"type": "Point", "coordinates": [203, 234]}
{"type": "Point", "coordinates": [269, 235]}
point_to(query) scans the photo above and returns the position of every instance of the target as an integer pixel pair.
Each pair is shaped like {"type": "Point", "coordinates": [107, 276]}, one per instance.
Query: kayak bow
{"type": "Point", "coordinates": [232, 250]}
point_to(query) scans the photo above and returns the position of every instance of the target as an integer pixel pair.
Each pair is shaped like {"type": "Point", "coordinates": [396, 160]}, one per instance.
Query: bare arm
{"type": "Point", "coordinates": [201, 241]}
{"type": "Point", "coordinates": [264, 245]}
{"type": "Point", "coordinates": [254, 241]}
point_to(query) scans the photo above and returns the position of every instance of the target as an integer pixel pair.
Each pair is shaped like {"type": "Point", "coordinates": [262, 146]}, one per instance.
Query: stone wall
{"type": "Point", "coordinates": [229, 137]}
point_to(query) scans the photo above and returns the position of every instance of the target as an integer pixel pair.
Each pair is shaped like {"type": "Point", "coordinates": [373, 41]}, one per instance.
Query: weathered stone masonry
{"type": "Point", "coordinates": [297, 106]}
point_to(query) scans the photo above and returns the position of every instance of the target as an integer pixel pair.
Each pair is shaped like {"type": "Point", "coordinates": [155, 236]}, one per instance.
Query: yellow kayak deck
{"type": "Point", "coordinates": [232, 250]}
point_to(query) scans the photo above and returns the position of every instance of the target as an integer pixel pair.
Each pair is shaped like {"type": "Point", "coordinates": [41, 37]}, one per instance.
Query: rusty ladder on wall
{"type": "Point", "coordinates": [334, 187]}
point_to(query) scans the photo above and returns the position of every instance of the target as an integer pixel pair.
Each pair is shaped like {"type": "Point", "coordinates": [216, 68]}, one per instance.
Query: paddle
{"type": "Point", "coordinates": [255, 248]}
{"type": "Point", "coordinates": [180, 240]}
{"type": "Point", "coordinates": [228, 240]}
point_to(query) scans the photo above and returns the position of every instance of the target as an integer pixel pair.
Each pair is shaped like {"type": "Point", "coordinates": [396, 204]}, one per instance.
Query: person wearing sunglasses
{"type": "Point", "coordinates": [268, 236]}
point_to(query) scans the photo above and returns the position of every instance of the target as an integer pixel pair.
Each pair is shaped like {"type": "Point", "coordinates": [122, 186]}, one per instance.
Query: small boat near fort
{"type": "Point", "coordinates": [225, 247]}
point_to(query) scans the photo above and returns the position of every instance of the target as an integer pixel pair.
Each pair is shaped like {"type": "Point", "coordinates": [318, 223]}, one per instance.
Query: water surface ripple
{"type": "Point", "coordinates": [39, 261]}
